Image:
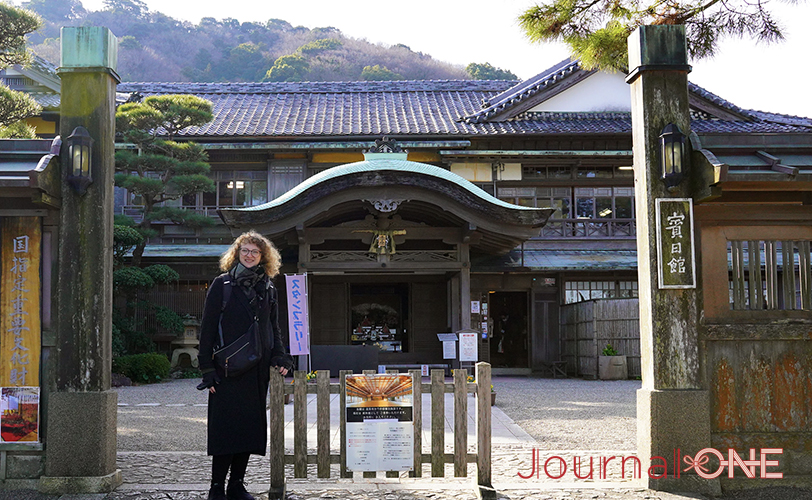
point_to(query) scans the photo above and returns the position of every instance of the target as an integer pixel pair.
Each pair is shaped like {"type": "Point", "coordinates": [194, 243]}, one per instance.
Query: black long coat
{"type": "Point", "coordinates": [236, 413]}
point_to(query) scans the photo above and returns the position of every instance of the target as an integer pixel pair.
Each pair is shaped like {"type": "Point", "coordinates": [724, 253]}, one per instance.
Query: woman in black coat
{"type": "Point", "coordinates": [237, 425]}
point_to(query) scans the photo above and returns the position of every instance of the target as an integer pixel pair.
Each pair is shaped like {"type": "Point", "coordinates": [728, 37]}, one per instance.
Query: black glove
{"type": "Point", "coordinates": [210, 379]}
{"type": "Point", "coordinates": [283, 361]}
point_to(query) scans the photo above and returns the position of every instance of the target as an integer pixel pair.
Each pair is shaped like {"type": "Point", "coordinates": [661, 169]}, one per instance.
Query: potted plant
{"type": "Point", "coordinates": [612, 365]}
{"type": "Point", "coordinates": [493, 392]}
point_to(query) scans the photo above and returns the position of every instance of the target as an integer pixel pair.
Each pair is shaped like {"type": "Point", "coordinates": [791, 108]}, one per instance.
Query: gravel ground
{"type": "Point", "coordinates": [572, 414]}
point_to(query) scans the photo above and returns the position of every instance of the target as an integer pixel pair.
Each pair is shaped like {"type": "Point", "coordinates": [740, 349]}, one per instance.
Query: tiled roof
{"type": "Point", "coordinates": [528, 88]}
{"type": "Point", "coordinates": [47, 100]}
{"type": "Point", "coordinates": [418, 108]}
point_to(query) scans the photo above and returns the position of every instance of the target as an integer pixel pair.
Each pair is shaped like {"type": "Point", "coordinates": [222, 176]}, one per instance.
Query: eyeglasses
{"type": "Point", "coordinates": [252, 253]}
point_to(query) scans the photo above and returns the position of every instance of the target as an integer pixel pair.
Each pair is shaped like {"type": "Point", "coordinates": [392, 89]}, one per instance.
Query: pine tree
{"type": "Point", "coordinates": [160, 169]}
{"type": "Point", "coordinates": [15, 23]}
{"type": "Point", "coordinates": [596, 32]}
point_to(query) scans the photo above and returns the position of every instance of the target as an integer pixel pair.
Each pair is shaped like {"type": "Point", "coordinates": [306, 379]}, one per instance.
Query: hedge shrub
{"type": "Point", "coordinates": [145, 368]}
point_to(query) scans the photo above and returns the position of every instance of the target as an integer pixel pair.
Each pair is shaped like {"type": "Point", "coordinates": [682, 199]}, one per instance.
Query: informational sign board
{"type": "Point", "coordinates": [468, 347]}
{"type": "Point", "coordinates": [298, 325]}
{"type": "Point", "coordinates": [449, 349]}
{"type": "Point", "coordinates": [474, 307]}
{"type": "Point", "coordinates": [20, 334]}
{"type": "Point", "coordinates": [380, 422]}
{"type": "Point", "coordinates": [675, 243]}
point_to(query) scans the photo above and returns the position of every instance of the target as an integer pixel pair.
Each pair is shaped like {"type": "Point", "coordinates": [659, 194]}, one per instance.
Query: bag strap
{"type": "Point", "coordinates": [227, 284]}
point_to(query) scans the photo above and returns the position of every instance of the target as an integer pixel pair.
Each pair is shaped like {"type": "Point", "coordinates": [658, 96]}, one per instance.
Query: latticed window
{"type": "Point", "coordinates": [579, 291]}
{"type": "Point", "coordinates": [769, 274]}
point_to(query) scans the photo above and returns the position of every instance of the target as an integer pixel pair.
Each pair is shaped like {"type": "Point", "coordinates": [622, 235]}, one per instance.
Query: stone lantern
{"type": "Point", "coordinates": [187, 343]}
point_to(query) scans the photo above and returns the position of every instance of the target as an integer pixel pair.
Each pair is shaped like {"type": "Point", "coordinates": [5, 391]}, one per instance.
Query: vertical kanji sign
{"type": "Point", "coordinates": [298, 327]}
{"type": "Point", "coordinates": [675, 243]}
{"type": "Point", "coordinates": [20, 302]}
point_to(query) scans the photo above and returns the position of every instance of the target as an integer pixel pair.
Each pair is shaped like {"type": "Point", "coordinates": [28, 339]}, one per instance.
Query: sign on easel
{"type": "Point", "coordinates": [380, 422]}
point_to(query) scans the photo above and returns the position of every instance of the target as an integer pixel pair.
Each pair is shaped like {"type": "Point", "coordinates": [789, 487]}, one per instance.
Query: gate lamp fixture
{"type": "Point", "coordinates": [672, 151]}
{"type": "Point", "coordinates": [78, 162]}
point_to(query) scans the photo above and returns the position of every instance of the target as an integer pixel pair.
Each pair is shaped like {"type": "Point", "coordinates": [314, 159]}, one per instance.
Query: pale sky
{"type": "Point", "coordinates": [772, 78]}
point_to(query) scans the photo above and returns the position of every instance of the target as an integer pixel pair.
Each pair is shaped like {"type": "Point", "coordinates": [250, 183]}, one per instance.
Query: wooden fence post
{"type": "Point", "coordinates": [342, 419]}
{"type": "Point", "coordinates": [460, 422]}
{"type": "Point", "coordinates": [277, 435]}
{"type": "Point", "coordinates": [437, 423]}
{"type": "Point", "coordinates": [483, 431]}
{"type": "Point", "coordinates": [323, 423]}
{"type": "Point", "coordinates": [417, 414]}
{"type": "Point", "coordinates": [300, 424]}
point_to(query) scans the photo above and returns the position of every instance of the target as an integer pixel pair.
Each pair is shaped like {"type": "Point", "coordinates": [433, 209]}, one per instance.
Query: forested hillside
{"type": "Point", "coordinates": [156, 47]}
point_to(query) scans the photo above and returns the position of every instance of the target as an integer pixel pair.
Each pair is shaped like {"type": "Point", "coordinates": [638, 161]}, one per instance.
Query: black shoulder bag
{"type": "Point", "coordinates": [244, 353]}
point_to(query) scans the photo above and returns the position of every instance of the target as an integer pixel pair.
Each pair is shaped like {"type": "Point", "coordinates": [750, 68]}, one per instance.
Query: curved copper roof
{"type": "Point", "coordinates": [429, 195]}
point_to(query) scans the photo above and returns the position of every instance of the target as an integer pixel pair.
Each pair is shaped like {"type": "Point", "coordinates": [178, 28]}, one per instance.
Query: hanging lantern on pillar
{"type": "Point", "coordinates": [78, 161]}
{"type": "Point", "coordinates": [672, 150]}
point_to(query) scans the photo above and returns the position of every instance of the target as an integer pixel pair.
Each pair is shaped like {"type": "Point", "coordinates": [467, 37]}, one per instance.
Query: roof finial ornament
{"type": "Point", "coordinates": [386, 145]}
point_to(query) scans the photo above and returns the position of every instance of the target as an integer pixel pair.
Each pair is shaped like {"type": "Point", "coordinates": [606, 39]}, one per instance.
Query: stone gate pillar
{"type": "Point", "coordinates": [81, 423]}
{"type": "Point", "coordinates": [673, 411]}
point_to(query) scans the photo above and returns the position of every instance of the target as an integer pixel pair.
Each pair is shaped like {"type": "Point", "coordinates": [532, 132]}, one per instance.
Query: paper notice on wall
{"type": "Point", "coordinates": [474, 307]}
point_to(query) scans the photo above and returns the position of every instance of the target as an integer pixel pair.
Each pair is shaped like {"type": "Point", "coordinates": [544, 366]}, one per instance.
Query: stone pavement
{"type": "Point", "coordinates": [184, 475]}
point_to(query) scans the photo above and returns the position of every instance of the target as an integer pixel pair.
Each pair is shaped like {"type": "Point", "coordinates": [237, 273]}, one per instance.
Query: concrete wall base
{"type": "Point", "coordinates": [671, 420]}
{"type": "Point", "coordinates": [76, 484]}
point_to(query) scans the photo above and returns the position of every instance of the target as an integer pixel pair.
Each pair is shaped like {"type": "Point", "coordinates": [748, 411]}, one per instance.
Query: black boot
{"type": "Point", "coordinates": [236, 490]}
{"type": "Point", "coordinates": [217, 492]}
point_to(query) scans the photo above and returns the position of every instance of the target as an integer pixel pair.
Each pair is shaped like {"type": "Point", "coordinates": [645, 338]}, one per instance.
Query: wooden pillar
{"type": "Point", "coordinates": [465, 287]}
{"type": "Point", "coordinates": [672, 410]}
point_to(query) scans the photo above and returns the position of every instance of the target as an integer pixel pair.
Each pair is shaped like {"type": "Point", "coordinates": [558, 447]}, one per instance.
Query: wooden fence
{"type": "Point", "coordinates": [323, 458]}
{"type": "Point", "coordinates": [586, 328]}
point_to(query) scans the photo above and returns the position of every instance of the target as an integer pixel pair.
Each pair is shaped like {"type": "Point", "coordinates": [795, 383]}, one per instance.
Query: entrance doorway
{"type": "Point", "coordinates": [379, 315]}
{"type": "Point", "coordinates": [509, 344]}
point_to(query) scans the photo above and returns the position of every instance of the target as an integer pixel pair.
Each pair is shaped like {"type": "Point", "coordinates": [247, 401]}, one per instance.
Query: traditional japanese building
{"type": "Point", "coordinates": [452, 232]}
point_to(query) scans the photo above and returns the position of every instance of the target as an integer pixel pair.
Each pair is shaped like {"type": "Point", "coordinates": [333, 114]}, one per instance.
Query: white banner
{"type": "Point", "coordinates": [298, 326]}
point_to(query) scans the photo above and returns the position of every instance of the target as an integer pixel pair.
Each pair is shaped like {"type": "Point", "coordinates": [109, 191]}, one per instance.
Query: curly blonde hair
{"type": "Point", "coordinates": [271, 260]}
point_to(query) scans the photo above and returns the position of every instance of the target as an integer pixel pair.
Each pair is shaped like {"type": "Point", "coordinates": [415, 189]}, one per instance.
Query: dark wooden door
{"type": "Point", "coordinates": [429, 316]}
{"type": "Point", "coordinates": [545, 341]}
{"type": "Point", "coordinates": [329, 313]}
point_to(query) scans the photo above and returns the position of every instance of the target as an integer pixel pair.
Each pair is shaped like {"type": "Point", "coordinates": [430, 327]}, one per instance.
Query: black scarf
{"type": "Point", "coordinates": [247, 278]}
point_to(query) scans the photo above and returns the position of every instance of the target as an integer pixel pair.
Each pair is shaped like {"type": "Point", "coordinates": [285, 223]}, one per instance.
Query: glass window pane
{"type": "Point", "coordinates": [259, 192]}
{"type": "Point", "coordinates": [533, 172]}
{"type": "Point", "coordinates": [603, 206]}
{"type": "Point", "coordinates": [560, 172]}
{"type": "Point", "coordinates": [586, 173]}
{"type": "Point", "coordinates": [585, 208]}
{"type": "Point", "coordinates": [240, 188]}
{"type": "Point", "coordinates": [226, 193]}
{"type": "Point", "coordinates": [210, 198]}
{"type": "Point", "coordinates": [623, 208]}
{"type": "Point", "coordinates": [527, 202]}
{"type": "Point", "coordinates": [562, 208]}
